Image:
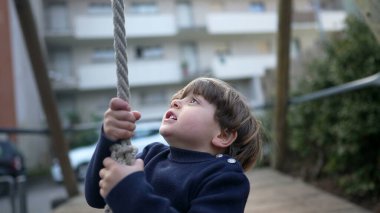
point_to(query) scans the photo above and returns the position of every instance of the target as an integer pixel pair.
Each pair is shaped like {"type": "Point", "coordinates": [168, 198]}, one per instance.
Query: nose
{"type": "Point", "coordinates": [176, 103]}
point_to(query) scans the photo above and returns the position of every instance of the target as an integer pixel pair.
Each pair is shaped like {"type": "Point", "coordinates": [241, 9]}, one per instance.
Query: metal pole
{"type": "Point", "coordinates": [21, 180]}
{"type": "Point", "coordinates": [11, 186]}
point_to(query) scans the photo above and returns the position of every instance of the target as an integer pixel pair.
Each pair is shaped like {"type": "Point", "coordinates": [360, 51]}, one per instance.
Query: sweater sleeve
{"type": "Point", "coordinates": [135, 194]}
{"type": "Point", "coordinates": [92, 189]}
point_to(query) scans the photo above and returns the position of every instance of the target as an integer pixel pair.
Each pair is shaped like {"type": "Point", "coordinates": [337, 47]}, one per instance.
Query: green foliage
{"type": "Point", "coordinates": [73, 118]}
{"type": "Point", "coordinates": [339, 136]}
{"type": "Point", "coordinates": [83, 137]}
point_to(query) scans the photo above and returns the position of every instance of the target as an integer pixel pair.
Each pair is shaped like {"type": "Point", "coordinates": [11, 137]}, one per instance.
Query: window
{"type": "Point", "coordinates": [57, 18]}
{"type": "Point", "coordinates": [149, 52]}
{"type": "Point", "coordinates": [257, 7]}
{"type": "Point", "coordinates": [99, 8]}
{"type": "Point", "coordinates": [61, 63]}
{"type": "Point", "coordinates": [143, 7]}
{"type": "Point", "coordinates": [103, 54]}
{"type": "Point", "coordinates": [222, 51]}
{"type": "Point", "coordinates": [184, 14]}
{"type": "Point", "coordinates": [295, 47]}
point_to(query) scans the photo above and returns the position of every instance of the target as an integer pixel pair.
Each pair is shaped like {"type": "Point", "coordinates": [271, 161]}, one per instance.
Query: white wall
{"type": "Point", "coordinates": [29, 111]}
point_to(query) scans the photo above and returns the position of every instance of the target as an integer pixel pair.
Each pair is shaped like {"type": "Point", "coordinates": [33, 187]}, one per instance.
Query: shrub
{"type": "Point", "coordinates": [339, 136]}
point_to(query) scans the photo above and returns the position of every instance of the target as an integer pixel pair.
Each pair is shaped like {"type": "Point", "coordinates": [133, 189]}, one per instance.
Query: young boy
{"type": "Point", "coordinates": [213, 138]}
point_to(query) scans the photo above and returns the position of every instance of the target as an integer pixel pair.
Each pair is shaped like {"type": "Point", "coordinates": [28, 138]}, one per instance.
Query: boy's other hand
{"type": "Point", "coordinates": [113, 173]}
{"type": "Point", "coordinates": [119, 120]}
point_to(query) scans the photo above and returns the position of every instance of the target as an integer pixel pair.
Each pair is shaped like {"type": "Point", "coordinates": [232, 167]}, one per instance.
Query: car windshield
{"type": "Point", "coordinates": [5, 150]}
{"type": "Point", "coordinates": [145, 133]}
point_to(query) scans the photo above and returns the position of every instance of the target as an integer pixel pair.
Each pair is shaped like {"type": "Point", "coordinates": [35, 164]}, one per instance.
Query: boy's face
{"type": "Point", "coordinates": [190, 124]}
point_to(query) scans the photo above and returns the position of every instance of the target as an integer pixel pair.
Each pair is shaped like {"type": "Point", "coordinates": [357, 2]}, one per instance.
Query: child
{"type": "Point", "coordinates": [213, 137]}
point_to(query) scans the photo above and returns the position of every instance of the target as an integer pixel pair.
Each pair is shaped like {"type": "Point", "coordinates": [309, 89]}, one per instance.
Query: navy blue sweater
{"type": "Point", "coordinates": [173, 180]}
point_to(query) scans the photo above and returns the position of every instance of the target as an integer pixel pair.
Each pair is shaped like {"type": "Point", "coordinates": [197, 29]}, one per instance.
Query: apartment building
{"type": "Point", "coordinates": [169, 43]}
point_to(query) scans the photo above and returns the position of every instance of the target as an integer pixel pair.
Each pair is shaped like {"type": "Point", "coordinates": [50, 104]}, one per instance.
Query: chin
{"type": "Point", "coordinates": [164, 132]}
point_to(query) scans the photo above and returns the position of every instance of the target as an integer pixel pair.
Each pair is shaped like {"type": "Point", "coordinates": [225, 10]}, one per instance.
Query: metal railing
{"type": "Point", "coordinates": [373, 80]}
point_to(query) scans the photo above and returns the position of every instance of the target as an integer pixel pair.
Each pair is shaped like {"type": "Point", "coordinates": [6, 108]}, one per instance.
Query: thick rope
{"type": "Point", "coordinates": [124, 152]}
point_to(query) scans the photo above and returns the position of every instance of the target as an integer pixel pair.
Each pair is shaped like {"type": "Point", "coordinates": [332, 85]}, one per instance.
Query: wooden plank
{"type": "Point", "coordinates": [272, 191]}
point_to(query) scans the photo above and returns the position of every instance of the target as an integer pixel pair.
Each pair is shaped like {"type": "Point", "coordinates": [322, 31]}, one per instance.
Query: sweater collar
{"type": "Point", "coordinates": [188, 156]}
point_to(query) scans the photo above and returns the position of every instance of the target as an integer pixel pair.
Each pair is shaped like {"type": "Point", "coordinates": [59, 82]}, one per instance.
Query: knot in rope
{"type": "Point", "coordinates": [123, 153]}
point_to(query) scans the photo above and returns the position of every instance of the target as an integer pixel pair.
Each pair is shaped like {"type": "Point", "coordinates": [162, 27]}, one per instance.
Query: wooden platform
{"type": "Point", "coordinates": [271, 192]}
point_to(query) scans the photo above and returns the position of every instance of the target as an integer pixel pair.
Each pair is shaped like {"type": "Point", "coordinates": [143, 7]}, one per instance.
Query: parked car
{"type": "Point", "coordinates": [11, 160]}
{"type": "Point", "coordinates": [11, 164]}
{"type": "Point", "coordinates": [145, 134]}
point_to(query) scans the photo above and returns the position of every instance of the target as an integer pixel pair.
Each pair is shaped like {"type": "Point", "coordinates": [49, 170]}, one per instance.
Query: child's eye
{"type": "Point", "coordinates": [194, 100]}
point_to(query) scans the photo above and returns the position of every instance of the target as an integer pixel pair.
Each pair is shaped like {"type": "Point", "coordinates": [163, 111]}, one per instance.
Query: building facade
{"type": "Point", "coordinates": [169, 43]}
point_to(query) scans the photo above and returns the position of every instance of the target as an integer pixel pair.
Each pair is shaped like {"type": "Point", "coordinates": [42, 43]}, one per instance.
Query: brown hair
{"type": "Point", "coordinates": [233, 114]}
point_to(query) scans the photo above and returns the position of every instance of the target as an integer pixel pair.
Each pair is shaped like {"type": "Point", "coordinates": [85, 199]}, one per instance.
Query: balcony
{"type": "Point", "coordinates": [237, 67]}
{"type": "Point", "coordinates": [241, 23]}
{"type": "Point", "coordinates": [90, 27]}
{"type": "Point", "coordinates": [332, 20]}
{"type": "Point", "coordinates": [253, 23]}
{"type": "Point", "coordinates": [328, 20]}
{"type": "Point", "coordinates": [62, 81]}
{"type": "Point", "coordinates": [103, 76]}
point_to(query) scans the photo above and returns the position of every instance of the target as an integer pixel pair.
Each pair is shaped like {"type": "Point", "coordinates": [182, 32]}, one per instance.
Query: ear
{"type": "Point", "coordinates": [224, 139]}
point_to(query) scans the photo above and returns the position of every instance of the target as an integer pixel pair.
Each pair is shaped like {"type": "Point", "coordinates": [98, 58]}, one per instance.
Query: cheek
{"type": "Point", "coordinates": [199, 121]}
{"type": "Point", "coordinates": [192, 118]}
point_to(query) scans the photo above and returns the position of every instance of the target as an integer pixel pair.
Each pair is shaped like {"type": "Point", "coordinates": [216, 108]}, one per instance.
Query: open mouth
{"type": "Point", "coordinates": [170, 115]}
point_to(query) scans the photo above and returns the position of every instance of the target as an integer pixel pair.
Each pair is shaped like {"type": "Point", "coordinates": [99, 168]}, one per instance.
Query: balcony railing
{"type": "Point", "coordinates": [251, 23]}
{"type": "Point", "coordinates": [332, 20]}
{"type": "Point", "coordinates": [236, 67]}
{"type": "Point", "coordinates": [101, 76]}
{"type": "Point", "coordinates": [232, 23]}
{"type": "Point", "coordinates": [159, 25]}
{"type": "Point", "coordinates": [63, 81]}
{"type": "Point", "coordinates": [87, 27]}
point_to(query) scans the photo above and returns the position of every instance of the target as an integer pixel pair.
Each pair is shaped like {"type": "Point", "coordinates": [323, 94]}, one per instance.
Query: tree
{"type": "Point", "coordinates": [339, 137]}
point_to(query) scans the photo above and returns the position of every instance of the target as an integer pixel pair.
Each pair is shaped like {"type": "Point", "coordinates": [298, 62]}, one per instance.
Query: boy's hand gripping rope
{"type": "Point", "coordinates": [123, 153]}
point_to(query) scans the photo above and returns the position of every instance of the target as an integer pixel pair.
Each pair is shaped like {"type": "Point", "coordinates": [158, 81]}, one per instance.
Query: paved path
{"type": "Point", "coordinates": [271, 192]}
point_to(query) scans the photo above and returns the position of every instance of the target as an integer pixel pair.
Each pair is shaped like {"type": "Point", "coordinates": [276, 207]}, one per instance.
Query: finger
{"type": "Point", "coordinates": [125, 115]}
{"type": "Point", "coordinates": [102, 192]}
{"type": "Point", "coordinates": [102, 173]}
{"type": "Point", "coordinates": [115, 134]}
{"type": "Point", "coordinates": [108, 162]}
{"type": "Point", "coordinates": [119, 104]}
{"type": "Point", "coordinates": [137, 115]}
{"type": "Point", "coordinates": [113, 122]}
{"type": "Point", "coordinates": [122, 115]}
